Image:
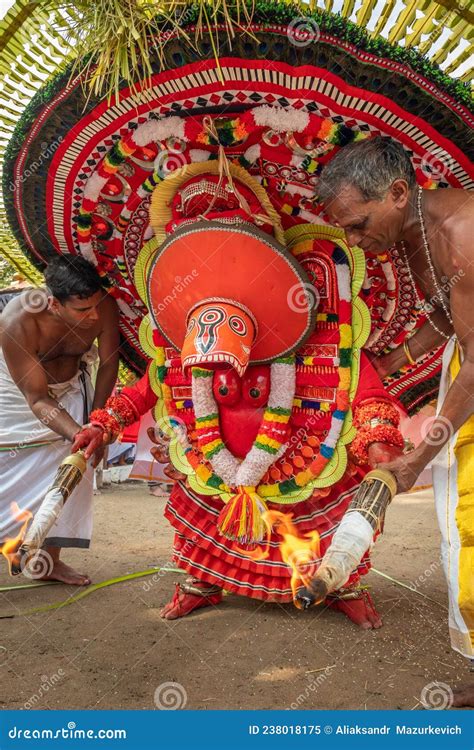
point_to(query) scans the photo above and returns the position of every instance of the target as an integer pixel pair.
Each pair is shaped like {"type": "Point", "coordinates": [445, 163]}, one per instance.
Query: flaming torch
{"type": "Point", "coordinates": [353, 537]}
{"type": "Point", "coordinates": [10, 548]}
{"type": "Point", "coordinates": [68, 476]}
{"type": "Point", "coordinates": [300, 553]}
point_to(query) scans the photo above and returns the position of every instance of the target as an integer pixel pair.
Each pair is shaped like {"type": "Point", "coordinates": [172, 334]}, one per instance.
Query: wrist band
{"type": "Point", "coordinates": [366, 412]}
{"type": "Point", "coordinates": [408, 353]}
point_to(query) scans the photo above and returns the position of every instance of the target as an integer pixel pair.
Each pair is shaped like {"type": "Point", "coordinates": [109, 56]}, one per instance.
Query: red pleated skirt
{"type": "Point", "coordinates": [200, 549]}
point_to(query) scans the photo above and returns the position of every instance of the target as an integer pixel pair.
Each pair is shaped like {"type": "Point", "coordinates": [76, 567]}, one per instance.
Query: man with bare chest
{"type": "Point", "coordinates": [46, 359]}
{"type": "Point", "coordinates": [369, 189]}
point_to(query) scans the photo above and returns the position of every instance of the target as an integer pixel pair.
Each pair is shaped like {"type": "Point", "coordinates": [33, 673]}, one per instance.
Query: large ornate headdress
{"type": "Point", "coordinates": [209, 221]}
{"type": "Point", "coordinates": [279, 87]}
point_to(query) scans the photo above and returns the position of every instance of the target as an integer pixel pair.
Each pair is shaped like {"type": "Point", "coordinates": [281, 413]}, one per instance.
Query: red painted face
{"type": "Point", "coordinates": [226, 387]}
{"type": "Point", "coordinates": [241, 403]}
{"type": "Point", "coordinates": [251, 390]}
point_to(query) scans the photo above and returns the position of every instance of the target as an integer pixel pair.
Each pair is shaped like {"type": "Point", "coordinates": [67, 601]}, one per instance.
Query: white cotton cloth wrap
{"type": "Point", "coordinates": [44, 519]}
{"type": "Point", "coordinates": [352, 539]}
{"type": "Point", "coordinates": [30, 454]}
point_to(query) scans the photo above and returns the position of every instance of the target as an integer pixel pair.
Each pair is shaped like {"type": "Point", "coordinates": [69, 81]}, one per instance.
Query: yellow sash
{"type": "Point", "coordinates": [464, 451]}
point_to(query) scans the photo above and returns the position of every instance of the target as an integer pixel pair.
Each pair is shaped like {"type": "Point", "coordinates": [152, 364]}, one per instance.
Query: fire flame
{"type": "Point", "coordinates": [300, 553]}
{"type": "Point", "coordinates": [10, 547]}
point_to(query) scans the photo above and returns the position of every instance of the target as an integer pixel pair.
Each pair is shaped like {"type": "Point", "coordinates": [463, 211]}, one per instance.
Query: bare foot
{"type": "Point", "coordinates": [159, 492]}
{"type": "Point", "coordinates": [183, 604]}
{"type": "Point", "coordinates": [464, 696]}
{"type": "Point", "coordinates": [361, 611]}
{"type": "Point", "coordinates": [64, 573]}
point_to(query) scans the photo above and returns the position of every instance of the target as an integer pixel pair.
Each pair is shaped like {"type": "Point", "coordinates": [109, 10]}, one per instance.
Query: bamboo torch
{"type": "Point", "coordinates": [68, 476]}
{"type": "Point", "coordinates": [353, 537]}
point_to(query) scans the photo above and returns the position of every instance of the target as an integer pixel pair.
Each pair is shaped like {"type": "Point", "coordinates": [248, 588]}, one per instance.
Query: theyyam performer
{"type": "Point", "coordinates": [194, 188]}
{"type": "Point", "coordinates": [243, 354]}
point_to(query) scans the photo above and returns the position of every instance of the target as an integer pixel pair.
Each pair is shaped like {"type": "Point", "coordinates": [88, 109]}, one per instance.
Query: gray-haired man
{"type": "Point", "coordinates": [369, 189]}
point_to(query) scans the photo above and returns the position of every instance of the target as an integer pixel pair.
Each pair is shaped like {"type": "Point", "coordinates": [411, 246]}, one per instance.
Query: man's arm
{"type": "Point", "coordinates": [30, 377]}
{"type": "Point", "coordinates": [424, 340]}
{"type": "Point", "coordinates": [120, 411]}
{"type": "Point", "coordinates": [109, 342]}
{"type": "Point", "coordinates": [458, 404]}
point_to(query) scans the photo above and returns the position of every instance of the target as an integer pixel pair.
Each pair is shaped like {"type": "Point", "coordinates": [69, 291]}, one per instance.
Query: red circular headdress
{"type": "Point", "coordinates": [241, 264]}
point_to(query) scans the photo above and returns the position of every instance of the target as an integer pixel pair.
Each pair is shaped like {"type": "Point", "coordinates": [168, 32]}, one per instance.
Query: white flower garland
{"type": "Point", "coordinates": [252, 468]}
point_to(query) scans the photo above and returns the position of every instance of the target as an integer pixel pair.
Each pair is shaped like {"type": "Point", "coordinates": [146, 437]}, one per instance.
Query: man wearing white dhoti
{"type": "Point", "coordinates": [46, 359]}
{"type": "Point", "coordinates": [370, 190]}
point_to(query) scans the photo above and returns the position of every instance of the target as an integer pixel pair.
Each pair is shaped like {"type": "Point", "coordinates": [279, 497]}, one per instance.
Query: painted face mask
{"type": "Point", "coordinates": [219, 332]}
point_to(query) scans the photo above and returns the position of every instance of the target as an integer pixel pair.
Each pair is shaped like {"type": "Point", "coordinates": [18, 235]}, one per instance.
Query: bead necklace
{"type": "Point", "coordinates": [432, 270]}
{"type": "Point", "coordinates": [423, 305]}
{"type": "Point", "coordinates": [428, 258]}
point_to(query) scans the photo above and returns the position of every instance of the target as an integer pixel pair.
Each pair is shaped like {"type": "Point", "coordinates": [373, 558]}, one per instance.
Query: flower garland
{"type": "Point", "coordinates": [376, 423]}
{"type": "Point", "coordinates": [345, 351]}
{"type": "Point", "coordinates": [119, 412]}
{"type": "Point", "coordinates": [201, 461]}
{"type": "Point", "coordinates": [271, 436]}
{"type": "Point", "coordinates": [241, 517]}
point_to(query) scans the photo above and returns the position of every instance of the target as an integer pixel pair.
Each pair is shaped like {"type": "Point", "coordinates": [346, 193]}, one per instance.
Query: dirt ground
{"type": "Point", "coordinates": [111, 650]}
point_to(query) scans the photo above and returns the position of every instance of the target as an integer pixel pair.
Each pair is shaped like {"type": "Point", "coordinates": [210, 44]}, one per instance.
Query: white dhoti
{"type": "Point", "coordinates": [30, 454]}
{"type": "Point", "coordinates": [453, 484]}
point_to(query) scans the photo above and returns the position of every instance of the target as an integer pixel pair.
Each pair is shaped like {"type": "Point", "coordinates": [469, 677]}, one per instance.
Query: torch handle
{"type": "Point", "coordinates": [373, 497]}
{"type": "Point", "coordinates": [67, 477]}
{"type": "Point", "coordinates": [352, 538]}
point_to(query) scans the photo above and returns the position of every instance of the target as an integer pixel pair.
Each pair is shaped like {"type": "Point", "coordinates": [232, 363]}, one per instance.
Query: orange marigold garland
{"type": "Point", "coordinates": [117, 414]}
{"type": "Point", "coordinates": [376, 423]}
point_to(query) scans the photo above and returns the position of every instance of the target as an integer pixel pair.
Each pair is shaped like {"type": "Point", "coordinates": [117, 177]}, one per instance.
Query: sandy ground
{"type": "Point", "coordinates": [111, 650]}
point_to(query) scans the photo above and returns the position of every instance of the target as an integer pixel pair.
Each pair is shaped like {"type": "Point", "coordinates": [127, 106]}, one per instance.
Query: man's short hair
{"type": "Point", "coordinates": [370, 166]}
{"type": "Point", "coordinates": [73, 276]}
